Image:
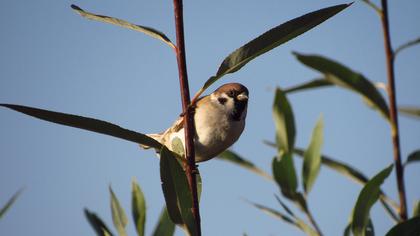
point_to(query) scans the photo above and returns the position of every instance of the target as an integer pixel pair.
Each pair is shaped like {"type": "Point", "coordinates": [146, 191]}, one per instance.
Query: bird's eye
{"type": "Point", "coordinates": [222, 100]}
{"type": "Point", "coordinates": [231, 93]}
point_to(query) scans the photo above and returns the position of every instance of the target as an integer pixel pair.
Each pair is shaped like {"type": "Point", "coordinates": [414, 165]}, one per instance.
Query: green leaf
{"type": "Point", "coordinates": [178, 147]}
{"type": "Point", "coordinates": [410, 227]}
{"type": "Point", "coordinates": [176, 190]}
{"type": "Point", "coordinates": [86, 123]}
{"type": "Point", "coordinates": [312, 156]}
{"type": "Point", "coordinates": [271, 39]}
{"type": "Point", "coordinates": [285, 207]}
{"type": "Point", "coordinates": [274, 213]}
{"type": "Point", "coordinates": [234, 158]}
{"type": "Point", "coordinates": [306, 228]}
{"type": "Point", "coordinates": [285, 174]}
{"type": "Point", "coordinates": [317, 83]}
{"type": "Point", "coordinates": [199, 184]}
{"type": "Point", "coordinates": [115, 21]}
{"type": "Point", "coordinates": [369, 231]}
{"type": "Point", "coordinates": [410, 111]}
{"type": "Point", "coordinates": [97, 224]}
{"type": "Point", "coordinates": [165, 226]}
{"type": "Point", "coordinates": [297, 222]}
{"type": "Point", "coordinates": [284, 122]}
{"type": "Point", "coordinates": [342, 76]}
{"type": "Point", "coordinates": [367, 197]}
{"type": "Point", "coordinates": [354, 174]}
{"type": "Point", "coordinates": [138, 208]}
{"type": "Point", "coordinates": [413, 157]}
{"type": "Point", "coordinates": [118, 215]}
{"type": "Point", "coordinates": [416, 208]}
{"type": "Point", "coordinates": [9, 203]}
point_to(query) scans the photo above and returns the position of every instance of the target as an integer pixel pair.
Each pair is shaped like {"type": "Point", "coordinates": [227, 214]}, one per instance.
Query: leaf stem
{"type": "Point", "coordinates": [373, 6]}
{"type": "Point", "coordinates": [393, 110]}
{"type": "Point", "coordinates": [187, 111]}
{"type": "Point", "coordinates": [308, 214]}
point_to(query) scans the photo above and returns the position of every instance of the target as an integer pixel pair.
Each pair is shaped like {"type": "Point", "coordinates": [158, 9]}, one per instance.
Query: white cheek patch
{"type": "Point", "coordinates": [227, 105]}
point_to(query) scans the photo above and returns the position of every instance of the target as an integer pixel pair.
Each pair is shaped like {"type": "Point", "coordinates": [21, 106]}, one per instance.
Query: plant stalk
{"type": "Point", "coordinates": [393, 111]}
{"type": "Point", "coordinates": [190, 167]}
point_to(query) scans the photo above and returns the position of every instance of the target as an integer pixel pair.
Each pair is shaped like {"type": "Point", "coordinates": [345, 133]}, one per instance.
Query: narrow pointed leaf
{"type": "Point", "coordinates": [285, 207]}
{"type": "Point", "coordinates": [284, 122]}
{"type": "Point", "coordinates": [271, 39]}
{"type": "Point", "coordinates": [234, 158]}
{"type": "Point", "coordinates": [413, 157]}
{"type": "Point", "coordinates": [9, 203]}
{"type": "Point", "coordinates": [410, 111]}
{"type": "Point", "coordinates": [350, 172]}
{"type": "Point", "coordinates": [285, 174]}
{"type": "Point", "coordinates": [313, 84]}
{"type": "Point", "coordinates": [357, 176]}
{"type": "Point", "coordinates": [165, 226]}
{"type": "Point", "coordinates": [367, 197]}
{"type": "Point", "coordinates": [274, 213]}
{"type": "Point", "coordinates": [312, 156]}
{"type": "Point", "coordinates": [118, 215]}
{"type": "Point", "coordinates": [410, 227]}
{"type": "Point", "coordinates": [416, 208]}
{"type": "Point", "coordinates": [138, 208]}
{"type": "Point", "coordinates": [306, 228]}
{"type": "Point", "coordinates": [97, 224]}
{"type": "Point", "coordinates": [175, 188]}
{"type": "Point", "coordinates": [86, 123]}
{"type": "Point", "coordinates": [115, 21]}
{"type": "Point", "coordinates": [169, 189]}
{"type": "Point", "coordinates": [178, 148]}
{"type": "Point", "coordinates": [342, 76]}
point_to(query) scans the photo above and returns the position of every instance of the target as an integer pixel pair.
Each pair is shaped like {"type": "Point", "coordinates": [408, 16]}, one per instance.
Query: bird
{"type": "Point", "coordinates": [219, 120]}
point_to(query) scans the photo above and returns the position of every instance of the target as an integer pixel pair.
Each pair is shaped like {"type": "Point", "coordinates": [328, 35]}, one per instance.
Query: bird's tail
{"type": "Point", "coordinates": [157, 137]}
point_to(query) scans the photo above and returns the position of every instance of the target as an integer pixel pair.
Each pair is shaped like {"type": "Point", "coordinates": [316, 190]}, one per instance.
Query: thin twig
{"type": "Point", "coordinates": [406, 45]}
{"type": "Point", "coordinates": [187, 111]}
{"type": "Point", "coordinates": [393, 111]}
{"type": "Point", "coordinates": [373, 6]}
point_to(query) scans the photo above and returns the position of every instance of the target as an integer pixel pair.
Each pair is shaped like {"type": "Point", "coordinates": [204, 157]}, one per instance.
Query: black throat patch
{"type": "Point", "coordinates": [238, 110]}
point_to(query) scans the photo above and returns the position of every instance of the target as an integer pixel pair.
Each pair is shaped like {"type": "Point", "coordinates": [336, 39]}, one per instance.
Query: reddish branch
{"type": "Point", "coordinates": [393, 111]}
{"type": "Point", "coordinates": [190, 167]}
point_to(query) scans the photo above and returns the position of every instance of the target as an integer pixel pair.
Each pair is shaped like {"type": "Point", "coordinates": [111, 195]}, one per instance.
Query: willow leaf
{"type": "Point", "coordinates": [343, 76]}
{"type": "Point", "coordinates": [97, 224]}
{"type": "Point", "coordinates": [118, 214]}
{"type": "Point", "coordinates": [165, 226]}
{"type": "Point", "coordinates": [271, 39]}
{"type": "Point", "coordinates": [9, 203]}
{"type": "Point", "coordinates": [413, 157]}
{"type": "Point", "coordinates": [367, 197]}
{"type": "Point", "coordinates": [138, 208]}
{"type": "Point", "coordinates": [234, 158]}
{"type": "Point", "coordinates": [86, 123]}
{"type": "Point", "coordinates": [410, 227]}
{"type": "Point", "coordinates": [125, 24]}
{"type": "Point", "coordinates": [176, 190]}
{"type": "Point", "coordinates": [284, 121]}
{"type": "Point", "coordinates": [316, 83]}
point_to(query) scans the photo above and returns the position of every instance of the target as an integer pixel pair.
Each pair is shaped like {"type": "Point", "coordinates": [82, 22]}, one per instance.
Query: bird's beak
{"type": "Point", "coordinates": [242, 97]}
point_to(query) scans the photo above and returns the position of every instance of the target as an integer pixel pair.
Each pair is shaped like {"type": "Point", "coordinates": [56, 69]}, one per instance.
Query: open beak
{"type": "Point", "coordinates": [242, 97]}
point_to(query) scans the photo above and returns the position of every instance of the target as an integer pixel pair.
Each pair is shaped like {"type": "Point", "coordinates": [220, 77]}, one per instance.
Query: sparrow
{"type": "Point", "coordinates": [219, 119]}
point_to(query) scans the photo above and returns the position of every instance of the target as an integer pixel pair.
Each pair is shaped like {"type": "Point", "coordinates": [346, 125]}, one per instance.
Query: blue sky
{"type": "Point", "coordinates": [53, 59]}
